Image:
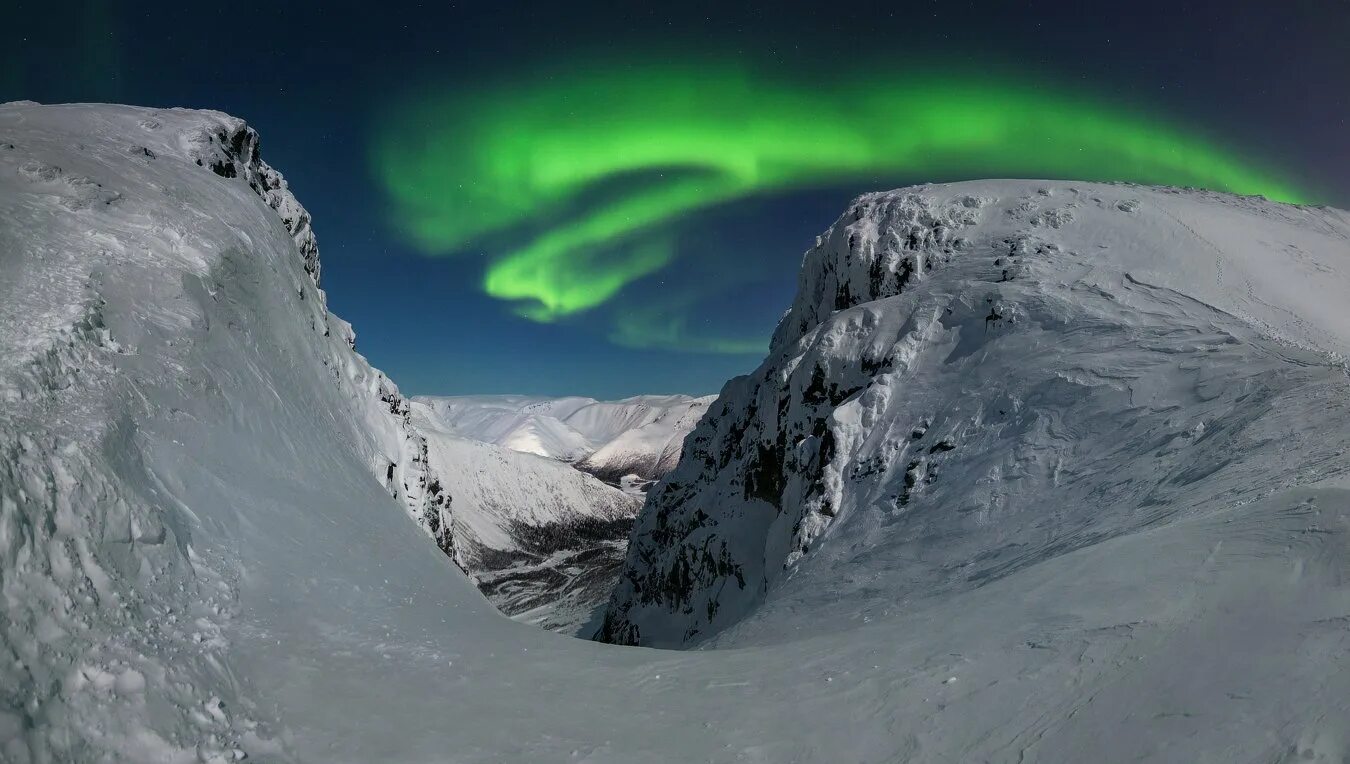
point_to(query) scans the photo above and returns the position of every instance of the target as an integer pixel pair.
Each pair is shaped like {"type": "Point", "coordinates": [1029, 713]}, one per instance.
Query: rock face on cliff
{"type": "Point", "coordinates": [977, 378]}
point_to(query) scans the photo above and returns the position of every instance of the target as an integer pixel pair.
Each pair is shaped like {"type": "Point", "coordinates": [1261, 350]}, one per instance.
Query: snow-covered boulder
{"type": "Point", "coordinates": [976, 378]}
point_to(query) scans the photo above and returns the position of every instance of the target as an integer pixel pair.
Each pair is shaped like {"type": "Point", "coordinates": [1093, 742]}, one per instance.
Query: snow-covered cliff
{"type": "Point", "coordinates": [159, 276]}
{"type": "Point", "coordinates": [976, 378]}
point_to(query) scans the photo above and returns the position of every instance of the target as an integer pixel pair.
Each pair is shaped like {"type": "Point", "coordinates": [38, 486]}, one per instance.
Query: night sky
{"type": "Point", "coordinates": [605, 199]}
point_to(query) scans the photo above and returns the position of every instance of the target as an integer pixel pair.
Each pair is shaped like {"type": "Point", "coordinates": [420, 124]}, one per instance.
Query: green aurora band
{"type": "Point", "coordinates": [577, 180]}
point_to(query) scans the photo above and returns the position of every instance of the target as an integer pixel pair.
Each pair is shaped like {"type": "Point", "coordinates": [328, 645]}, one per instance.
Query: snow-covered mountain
{"type": "Point", "coordinates": [978, 379]}
{"type": "Point", "coordinates": [542, 540]}
{"type": "Point", "coordinates": [205, 553]}
{"type": "Point", "coordinates": [638, 436]}
{"type": "Point", "coordinates": [178, 405]}
{"type": "Point", "coordinates": [521, 423]}
{"type": "Point", "coordinates": [651, 449]}
{"type": "Point", "coordinates": [533, 524]}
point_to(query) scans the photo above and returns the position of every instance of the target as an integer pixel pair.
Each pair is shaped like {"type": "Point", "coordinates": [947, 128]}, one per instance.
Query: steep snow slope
{"type": "Point", "coordinates": [197, 559]}
{"type": "Point", "coordinates": [978, 378]}
{"type": "Point", "coordinates": [639, 436]}
{"type": "Point", "coordinates": [543, 541]}
{"type": "Point", "coordinates": [170, 373]}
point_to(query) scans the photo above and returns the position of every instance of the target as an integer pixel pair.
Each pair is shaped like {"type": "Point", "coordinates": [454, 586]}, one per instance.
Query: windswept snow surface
{"type": "Point", "coordinates": [203, 557]}
{"type": "Point", "coordinates": [639, 436]}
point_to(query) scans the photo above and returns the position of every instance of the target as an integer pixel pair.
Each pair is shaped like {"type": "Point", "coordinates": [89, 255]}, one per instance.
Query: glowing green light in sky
{"type": "Point", "coordinates": [665, 322]}
{"type": "Point", "coordinates": [580, 177]}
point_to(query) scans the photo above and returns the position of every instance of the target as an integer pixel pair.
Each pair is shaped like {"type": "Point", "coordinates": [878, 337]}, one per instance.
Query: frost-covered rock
{"type": "Point", "coordinates": [976, 378]}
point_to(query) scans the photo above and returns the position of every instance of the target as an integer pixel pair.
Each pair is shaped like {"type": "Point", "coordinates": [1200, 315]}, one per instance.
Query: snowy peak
{"type": "Point", "coordinates": [1218, 245]}
{"type": "Point", "coordinates": [976, 377]}
{"type": "Point", "coordinates": [530, 425]}
{"type": "Point", "coordinates": [651, 448]}
{"type": "Point", "coordinates": [641, 435]}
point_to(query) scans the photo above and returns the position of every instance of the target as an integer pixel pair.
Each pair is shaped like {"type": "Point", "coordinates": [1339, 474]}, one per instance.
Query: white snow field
{"type": "Point", "coordinates": [206, 553]}
{"type": "Point", "coordinates": [638, 436]}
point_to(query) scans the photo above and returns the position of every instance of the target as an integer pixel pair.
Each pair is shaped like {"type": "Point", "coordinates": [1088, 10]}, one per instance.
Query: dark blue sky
{"type": "Point", "coordinates": [313, 78]}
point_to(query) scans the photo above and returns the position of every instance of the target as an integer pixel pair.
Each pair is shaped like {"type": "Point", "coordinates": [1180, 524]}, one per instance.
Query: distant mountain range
{"type": "Point", "coordinates": [639, 436]}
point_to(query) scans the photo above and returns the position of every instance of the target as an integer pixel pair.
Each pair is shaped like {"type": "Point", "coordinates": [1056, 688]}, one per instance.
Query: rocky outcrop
{"type": "Point", "coordinates": [958, 367]}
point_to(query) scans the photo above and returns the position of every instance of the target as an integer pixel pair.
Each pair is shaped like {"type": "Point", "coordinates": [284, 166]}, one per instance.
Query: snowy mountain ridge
{"type": "Point", "coordinates": [977, 377]}
{"type": "Point", "coordinates": [641, 435]}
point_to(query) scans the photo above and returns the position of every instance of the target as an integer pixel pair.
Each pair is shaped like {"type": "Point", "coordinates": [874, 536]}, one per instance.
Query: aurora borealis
{"type": "Point", "coordinates": [577, 179]}
{"type": "Point", "coordinates": [609, 199]}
